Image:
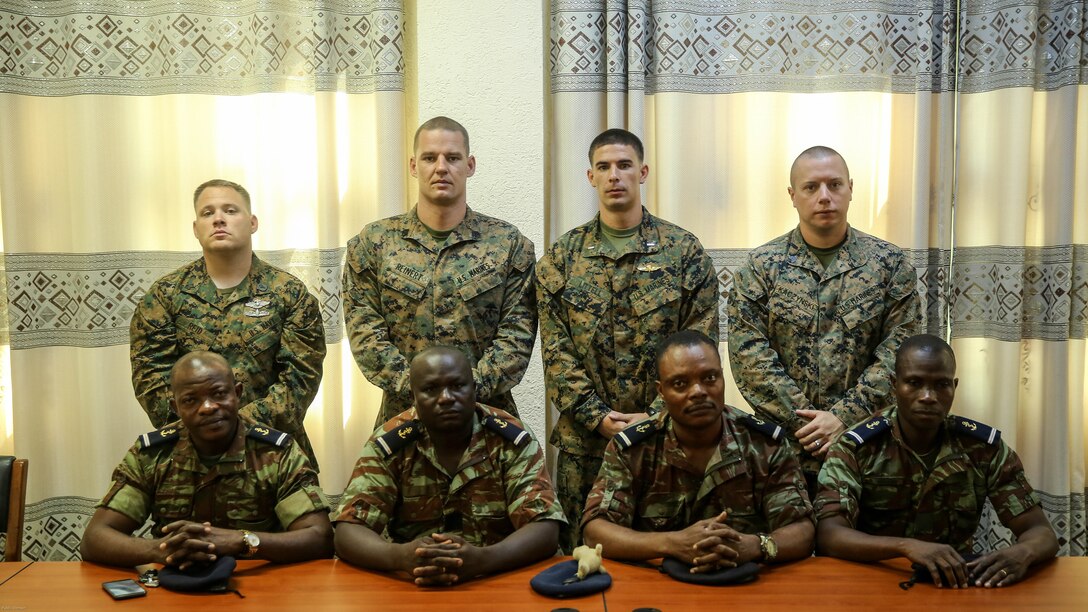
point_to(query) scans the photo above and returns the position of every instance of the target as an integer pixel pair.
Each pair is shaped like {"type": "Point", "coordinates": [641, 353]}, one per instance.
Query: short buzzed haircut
{"type": "Point", "coordinates": [616, 136]}
{"type": "Point", "coordinates": [819, 152]}
{"type": "Point", "coordinates": [684, 337]}
{"type": "Point", "coordinates": [441, 123]}
{"type": "Point", "coordinates": [206, 358]}
{"type": "Point", "coordinates": [222, 183]}
{"type": "Point", "coordinates": [924, 343]}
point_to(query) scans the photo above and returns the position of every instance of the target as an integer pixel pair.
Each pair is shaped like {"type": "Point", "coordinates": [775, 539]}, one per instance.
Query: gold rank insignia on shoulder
{"type": "Point", "coordinates": [867, 430]}
{"type": "Point", "coordinates": [633, 434]}
{"type": "Point", "coordinates": [772, 430]}
{"type": "Point", "coordinates": [975, 429]}
{"type": "Point", "coordinates": [267, 434]}
{"type": "Point", "coordinates": [393, 441]}
{"type": "Point", "coordinates": [169, 433]}
{"type": "Point", "coordinates": [506, 429]}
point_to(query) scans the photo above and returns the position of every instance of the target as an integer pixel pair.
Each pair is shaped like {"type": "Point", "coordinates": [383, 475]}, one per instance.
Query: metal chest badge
{"type": "Point", "coordinates": [257, 308]}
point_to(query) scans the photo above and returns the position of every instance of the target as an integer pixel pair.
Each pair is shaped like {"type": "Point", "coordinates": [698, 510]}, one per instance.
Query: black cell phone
{"type": "Point", "coordinates": [124, 589]}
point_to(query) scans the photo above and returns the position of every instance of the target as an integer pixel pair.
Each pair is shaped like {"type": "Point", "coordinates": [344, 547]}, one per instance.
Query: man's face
{"type": "Point", "coordinates": [821, 191]}
{"type": "Point", "coordinates": [616, 175]}
{"type": "Point", "coordinates": [442, 166]}
{"type": "Point", "coordinates": [690, 383]}
{"type": "Point", "coordinates": [443, 392]}
{"type": "Point", "coordinates": [924, 385]}
{"type": "Point", "coordinates": [206, 400]}
{"type": "Point", "coordinates": [223, 222]}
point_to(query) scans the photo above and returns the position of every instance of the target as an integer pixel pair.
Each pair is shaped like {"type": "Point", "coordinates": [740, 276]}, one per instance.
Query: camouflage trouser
{"type": "Point", "coordinates": [574, 476]}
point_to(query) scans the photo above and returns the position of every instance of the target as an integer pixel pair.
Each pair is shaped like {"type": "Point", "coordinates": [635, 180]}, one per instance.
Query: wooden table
{"type": "Point", "coordinates": [812, 584]}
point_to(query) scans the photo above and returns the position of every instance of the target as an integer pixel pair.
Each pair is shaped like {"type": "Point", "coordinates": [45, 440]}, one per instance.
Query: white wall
{"type": "Point", "coordinates": [482, 63]}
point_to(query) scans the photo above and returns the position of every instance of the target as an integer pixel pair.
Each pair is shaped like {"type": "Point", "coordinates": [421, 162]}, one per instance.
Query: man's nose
{"type": "Point", "coordinates": [445, 396]}
{"type": "Point", "coordinates": [208, 405]}
{"type": "Point", "coordinates": [440, 164]}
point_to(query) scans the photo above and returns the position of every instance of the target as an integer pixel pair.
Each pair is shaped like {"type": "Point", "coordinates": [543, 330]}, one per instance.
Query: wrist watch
{"type": "Point", "coordinates": [768, 547]}
{"type": "Point", "coordinates": [250, 544]}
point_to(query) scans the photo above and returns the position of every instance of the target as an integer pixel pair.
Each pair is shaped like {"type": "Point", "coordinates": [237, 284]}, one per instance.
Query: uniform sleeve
{"type": "Point", "coordinates": [613, 496]}
{"type": "Point", "coordinates": [298, 492]}
{"type": "Point", "coordinates": [568, 386]}
{"type": "Point", "coordinates": [785, 500]}
{"type": "Point", "coordinates": [503, 364]}
{"type": "Point", "coordinates": [529, 491]}
{"type": "Point", "coordinates": [839, 488]}
{"type": "Point", "coordinates": [299, 363]}
{"type": "Point", "coordinates": [131, 491]}
{"type": "Point", "coordinates": [1007, 486]}
{"type": "Point", "coordinates": [755, 364]}
{"type": "Point", "coordinates": [873, 387]}
{"type": "Point", "coordinates": [152, 352]}
{"type": "Point", "coordinates": [378, 358]}
{"type": "Point", "coordinates": [371, 495]}
{"type": "Point", "coordinates": [699, 310]}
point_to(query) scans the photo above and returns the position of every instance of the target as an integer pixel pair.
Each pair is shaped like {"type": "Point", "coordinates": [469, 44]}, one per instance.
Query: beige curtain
{"type": "Point", "coordinates": [111, 113]}
{"type": "Point", "coordinates": [931, 105]}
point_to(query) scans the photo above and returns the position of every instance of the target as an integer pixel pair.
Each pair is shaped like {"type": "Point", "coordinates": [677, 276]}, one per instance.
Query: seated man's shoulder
{"type": "Point", "coordinates": [642, 431]}
{"type": "Point", "coordinates": [397, 434]}
{"type": "Point", "coordinates": [762, 425]}
{"type": "Point", "coordinates": [974, 433]}
{"type": "Point", "coordinates": [266, 435]}
{"type": "Point", "coordinates": [161, 439]}
{"type": "Point", "coordinates": [867, 431]}
{"type": "Point", "coordinates": [504, 424]}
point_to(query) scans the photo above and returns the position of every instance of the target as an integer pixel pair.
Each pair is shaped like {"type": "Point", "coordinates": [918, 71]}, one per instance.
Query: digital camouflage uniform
{"type": "Point", "coordinates": [650, 485]}
{"type": "Point", "coordinates": [268, 328]}
{"type": "Point", "coordinates": [882, 487]}
{"type": "Point", "coordinates": [602, 314]}
{"type": "Point", "coordinates": [262, 483]}
{"type": "Point", "coordinates": [404, 293]}
{"type": "Point", "coordinates": [802, 337]}
{"type": "Point", "coordinates": [403, 493]}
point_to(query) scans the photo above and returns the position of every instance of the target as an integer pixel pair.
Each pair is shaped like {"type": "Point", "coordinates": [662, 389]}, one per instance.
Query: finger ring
{"type": "Point", "coordinates": [1004, 574]}
{"type": "Point", "coordinates": [817, 444]}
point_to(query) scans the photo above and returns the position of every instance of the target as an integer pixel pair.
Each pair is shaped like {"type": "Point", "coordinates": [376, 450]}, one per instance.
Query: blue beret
{"type": "Point", "coordinates": [678, 570]}
{"type": "Point", "coordinates": [550, 581]}
{"type": "Point", "coordinates": [210, 577]}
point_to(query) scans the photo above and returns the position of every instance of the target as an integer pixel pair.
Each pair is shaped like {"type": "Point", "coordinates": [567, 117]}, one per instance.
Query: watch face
{"type": "Point", "coordinates": [251, 539]}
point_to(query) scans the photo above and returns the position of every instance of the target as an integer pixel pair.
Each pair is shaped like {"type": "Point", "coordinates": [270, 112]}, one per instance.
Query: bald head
{"type": "Point", "coordinates": [194, 363]}
{"type": "Point", "coordinates": [817, 152]}
{"type": "Point", "coordinates": [924, 344]}
{"type": "Point", "coordinates": [438, 358]}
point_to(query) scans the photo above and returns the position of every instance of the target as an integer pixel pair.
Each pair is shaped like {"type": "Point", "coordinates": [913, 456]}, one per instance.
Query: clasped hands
{"type": "Point", "coordinates": [442, 560]}
{"type": "Point", "coordinates": [187, 543]}
{"type": "Point", "coordinates": [710, 545]}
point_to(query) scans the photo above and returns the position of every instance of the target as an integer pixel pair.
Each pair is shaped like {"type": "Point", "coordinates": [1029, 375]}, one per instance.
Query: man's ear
{"type": "Point", "coordinates": [238, 389]}
{"type": "Point", "coordinates": [412, 166]}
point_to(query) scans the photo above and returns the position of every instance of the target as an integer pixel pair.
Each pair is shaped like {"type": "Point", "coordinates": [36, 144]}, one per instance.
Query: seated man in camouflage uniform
{"type": "Point", "coordinates": [214, 483]}
{"type": "Point", "coordinates": [457, 489]}
{"type": "Point", "coordinates": [714, 487]}
{"type": "Point", "coordinates": [912, 481]}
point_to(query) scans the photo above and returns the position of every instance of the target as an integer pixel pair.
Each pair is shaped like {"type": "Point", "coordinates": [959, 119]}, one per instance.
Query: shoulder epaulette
{"type": "Point", "coordinates": [977, 430]}
{"type": "Point", "coordinates": [774, 430]}
{"type": "Point", "coordinates": [167, 433]}
{"type": "Point", "coordinates": [392, 442]}
{"type": "Point", "coordinates": [867, 430]}
{"type": "Point", "coordinates": [506, 429]}
{"type": "Point", "coordinates": [636, 433]}
{"type": "Point", "coordinates": [265, 433]}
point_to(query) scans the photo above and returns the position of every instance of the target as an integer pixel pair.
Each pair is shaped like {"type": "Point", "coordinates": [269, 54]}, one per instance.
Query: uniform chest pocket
{"type": "Point", "coordinates": [480, 285]}
{"type": "Point", "coordinates": [885, 493]}
{"type": "Point", "coordinates": [662, 293]}
{"type": "Point", "coordinates": [791, 307]}
{"type": "Point", "coordinates": [261, 338]}
{"type": "Point", "coordinates": [857, 310]}
{"type": "Point", "coordinates": [659, 511]}
{"type": "Point", "coordinates": [405, 287]}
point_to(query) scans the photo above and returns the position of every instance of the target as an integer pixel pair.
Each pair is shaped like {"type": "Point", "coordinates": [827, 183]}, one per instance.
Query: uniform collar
{"type": "Point", "coordinates": [475, 452]}
{"type": "Point", "coordinates": [649, 239]}
{"type": "Point", "coordinates": [185, 456]}
{"type": "Point", "coordinates": [848, 258]}
{"type": "Point", "coordinates": [465, 231]}
{"type": "Point", "coordinates": [198, 283]}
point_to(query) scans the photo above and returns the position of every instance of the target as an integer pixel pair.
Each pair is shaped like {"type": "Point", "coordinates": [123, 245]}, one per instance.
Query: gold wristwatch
{"type": "Point", "coordinates": [250, 544]}
{"type": "Point", "coordinates": [768, 547]}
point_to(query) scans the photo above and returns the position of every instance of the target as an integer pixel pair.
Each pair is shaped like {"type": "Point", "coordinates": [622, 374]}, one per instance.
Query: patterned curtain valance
{"type": "Point", "coordinates": [163, 47]}
{"type": "Point", "coordinates": [898, 46]}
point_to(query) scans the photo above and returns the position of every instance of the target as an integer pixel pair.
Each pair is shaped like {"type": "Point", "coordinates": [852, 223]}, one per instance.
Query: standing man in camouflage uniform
{"type": "Point", "coordinates": [260, 318]}
{"type": "Point", "coordinates": [815, 315]}
{"type": "Point", "coordinates": [460, 488]}
{"type": "Point", "coordinates": [701, 482]}
{"type": "Point", "coordinates": [608, 291]}
{"type": "Point", "coordinates": [912, 482]}
{"type": "Point", "coordinates": [440, 274]}
{"type": "Point", "coordinates": [214, 483]}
